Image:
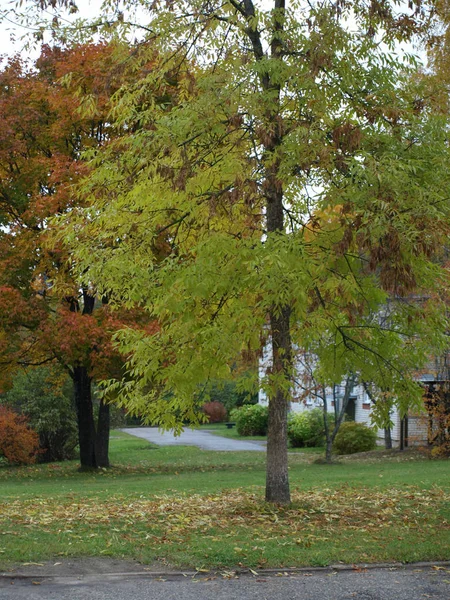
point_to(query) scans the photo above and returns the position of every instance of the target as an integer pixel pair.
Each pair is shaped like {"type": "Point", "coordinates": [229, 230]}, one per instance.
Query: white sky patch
{"type": "Point", "coordinates": [14, 34]}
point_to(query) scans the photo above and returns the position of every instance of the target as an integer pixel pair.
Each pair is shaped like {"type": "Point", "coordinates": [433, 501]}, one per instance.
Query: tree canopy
{"type": "Point", "coordinates": [47, 316]}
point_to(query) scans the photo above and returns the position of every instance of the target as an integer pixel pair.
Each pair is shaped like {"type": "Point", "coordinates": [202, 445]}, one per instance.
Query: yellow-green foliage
{"type": "Point", "coordinates": [355, 437]}
{"type": "Point", "coordinates": [323, 119]}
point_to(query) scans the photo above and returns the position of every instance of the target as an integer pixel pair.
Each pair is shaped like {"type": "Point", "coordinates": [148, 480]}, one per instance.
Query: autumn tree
{"type": "Point", "coordinates": [46, 315]}
{"type": "Point", "coordinates": [297, 110]}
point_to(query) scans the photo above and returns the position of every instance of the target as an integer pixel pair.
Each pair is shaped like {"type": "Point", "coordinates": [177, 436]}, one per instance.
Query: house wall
{"type": "Point", "coordinates": [417, 423]}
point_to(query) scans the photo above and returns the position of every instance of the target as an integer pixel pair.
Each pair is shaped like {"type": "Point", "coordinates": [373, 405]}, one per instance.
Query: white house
{"type": "Point", "coordinates": [411, 430]}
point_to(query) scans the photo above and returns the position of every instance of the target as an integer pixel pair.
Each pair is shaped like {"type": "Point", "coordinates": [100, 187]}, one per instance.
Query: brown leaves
{"type": "Point", "coordinates": [347, 137]}
{"type": "Point", "coordinates": [325, 509]}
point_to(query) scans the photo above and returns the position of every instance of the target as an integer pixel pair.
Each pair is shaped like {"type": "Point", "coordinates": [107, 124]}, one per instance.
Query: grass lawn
{"type": "Point", "coordinates": [190, 508]}
{"type": "Point", "coordinates": [221, 429]}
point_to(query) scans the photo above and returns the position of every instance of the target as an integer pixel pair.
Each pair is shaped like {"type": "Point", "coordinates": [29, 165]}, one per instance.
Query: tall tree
{"type": "Point", "coordinates": [293, 114]}
{"type": "Point", "coordinates": [46, 316]}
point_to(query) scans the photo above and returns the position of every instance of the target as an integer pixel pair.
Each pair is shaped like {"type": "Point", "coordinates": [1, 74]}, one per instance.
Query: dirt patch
{"type": "Point", "coordinates": [394, 455]}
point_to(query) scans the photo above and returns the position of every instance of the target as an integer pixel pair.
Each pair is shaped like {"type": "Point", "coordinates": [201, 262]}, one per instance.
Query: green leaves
{"type": "Point", "coordinates": [255, 111]}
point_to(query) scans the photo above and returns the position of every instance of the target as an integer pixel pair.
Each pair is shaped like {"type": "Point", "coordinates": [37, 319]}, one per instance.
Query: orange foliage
{"type": "Point", "coordinates": [18, 443]}
{"type": "Point", "coordinates": [45, 130]}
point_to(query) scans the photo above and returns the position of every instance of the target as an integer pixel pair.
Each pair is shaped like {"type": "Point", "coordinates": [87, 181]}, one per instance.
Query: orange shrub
{"type": "Point", "coordinates": [18, 443]}
{"type": "Point", "coordinates": [216, 411]}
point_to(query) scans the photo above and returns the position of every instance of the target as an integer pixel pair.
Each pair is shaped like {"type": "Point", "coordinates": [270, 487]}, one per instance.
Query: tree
{"type": "Point", "coordinates": [310, 370]}
{"type": "Point", "coordinates": [46, 316]}
{"type": "Point", "coordinates": [382, 397]}
{"type": "Point", "coordinates": [291, 115]}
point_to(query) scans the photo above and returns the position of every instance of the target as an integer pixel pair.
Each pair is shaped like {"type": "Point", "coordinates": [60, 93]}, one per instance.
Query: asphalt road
{"type": "Point", "coordinates": [373, 584]}
{"type": "Point", "coordinates": [197, 437]}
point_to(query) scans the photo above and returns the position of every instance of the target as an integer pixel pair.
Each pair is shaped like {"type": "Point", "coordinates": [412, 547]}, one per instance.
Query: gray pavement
{"type": "Point", "coordinates": [195, 437]}
{"type": "Point", "coordinates": [372, 584]}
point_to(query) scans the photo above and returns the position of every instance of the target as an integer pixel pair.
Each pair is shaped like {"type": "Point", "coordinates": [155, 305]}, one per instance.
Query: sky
{"type": "Point", "coordinates": [8, 26]}
{"type": "Point", "coordinates": [87, 8]}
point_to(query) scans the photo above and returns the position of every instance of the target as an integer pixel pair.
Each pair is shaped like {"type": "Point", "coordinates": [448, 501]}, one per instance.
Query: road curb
{"type": "Point", "coordinates": [223, 573]}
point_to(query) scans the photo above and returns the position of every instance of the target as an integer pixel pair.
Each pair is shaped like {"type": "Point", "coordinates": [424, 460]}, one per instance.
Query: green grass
{"type": "Point", "coordinates": [193, 508]}
{"type": "Point", "coordinates": [222, 430]}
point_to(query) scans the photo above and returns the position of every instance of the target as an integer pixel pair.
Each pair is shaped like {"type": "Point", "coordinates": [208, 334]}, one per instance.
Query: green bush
{"type": "Point", "coordinates": [354, 437]}
{"type": "Point", "coordinates": [306, 429]}
{"type": "Point", "coordinates": [44, 396]}
{"type": "Point", "coordinates": [251, 419]}
{"type": "Point", "coordinates": [233, 414]}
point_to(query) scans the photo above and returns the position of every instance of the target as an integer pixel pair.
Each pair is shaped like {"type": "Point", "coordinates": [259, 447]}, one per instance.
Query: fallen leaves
{"type": "Point", "coordinates": [341, 507]}
{"type": "Point", "coordinates": [327, 509]}
{"type": "Point", "coordinates": [235, 527]}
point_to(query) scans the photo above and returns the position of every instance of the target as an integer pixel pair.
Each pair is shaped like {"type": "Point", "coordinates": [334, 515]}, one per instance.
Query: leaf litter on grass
{"type": "Point", "coordinates": [233, 529]}
{"type": "Point", "coordinates": [341, 508]}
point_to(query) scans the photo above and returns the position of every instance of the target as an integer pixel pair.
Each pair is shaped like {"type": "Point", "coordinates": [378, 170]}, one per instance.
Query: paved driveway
{"type": "Point", "coordinates": [200, 438]}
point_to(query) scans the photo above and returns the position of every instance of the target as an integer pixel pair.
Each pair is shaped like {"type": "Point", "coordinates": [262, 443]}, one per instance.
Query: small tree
{"type": "Point", "coordinates": [310, 368]}
{"type": "Point", "coordinates": [340, 410]}
{"type": "Point", "coordinates": [383, 402]}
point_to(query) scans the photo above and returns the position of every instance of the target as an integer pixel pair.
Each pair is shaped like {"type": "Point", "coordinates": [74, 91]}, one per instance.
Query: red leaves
{"type": "Point", "coordinates": [18, 443]}
{"type": "Point", "coordinates": [45, 130]}
{"type": "Point", "coordinates": [216, 411]}
{"type": "Point", "coordinates": [17, 310]}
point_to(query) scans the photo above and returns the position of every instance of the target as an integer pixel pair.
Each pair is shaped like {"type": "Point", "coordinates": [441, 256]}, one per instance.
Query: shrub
{"type": "Point", "coordinates": [233, 414]}
{"type": "Point", "coordinates": [230, 394]}
{"type": "Point", "coordinates": [44, 396]}
{"type": "Point", "coordinates": [306, 429]}
{"type": "Point", "coordinates": [354, 437]}
{"type": "Point", "coordinates": [216, 412]}
{"type": "Point", "coordinates": [18, 443]}
{"type": "Point", "coordinates": [251, 419]}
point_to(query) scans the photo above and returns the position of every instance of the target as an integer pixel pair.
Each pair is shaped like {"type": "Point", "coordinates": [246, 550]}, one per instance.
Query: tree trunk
{"type": "Point", "coordinates": [277, 482]}
{"type": "Point", "coordinates": [329, 450]}
{"type": "Point", "coordinates": [329, 438]}
{"type": "Point", "coordinates": [277, 477]}
{"type": "Point", "coordinates": [94, 442]}
{"type": "Point", "coordinates": [387, 438]}
{"type": "Point", "coordinates": [102, 437]}
{"type": "Point", "coordinates": [85, 416]}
